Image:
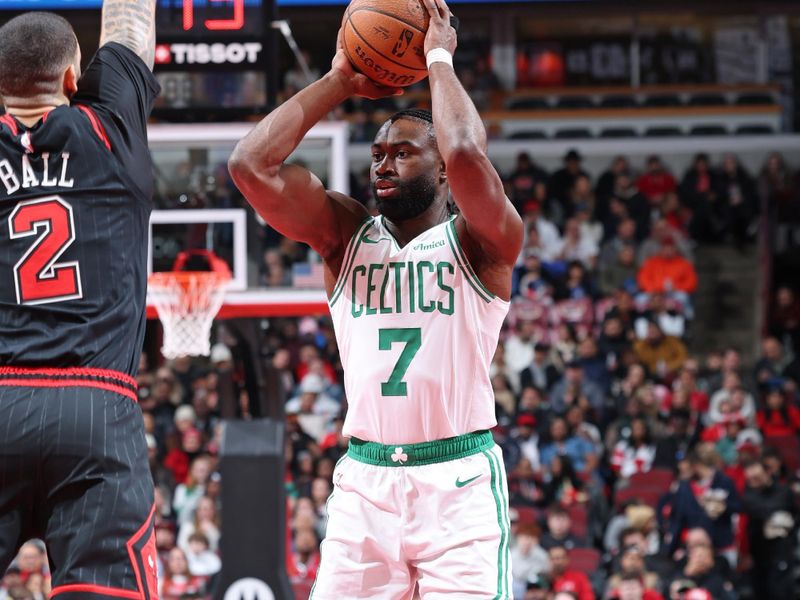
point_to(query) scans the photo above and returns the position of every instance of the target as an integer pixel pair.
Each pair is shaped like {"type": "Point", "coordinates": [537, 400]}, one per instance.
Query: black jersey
{"type": "Point", "coordinates": [75, 201]}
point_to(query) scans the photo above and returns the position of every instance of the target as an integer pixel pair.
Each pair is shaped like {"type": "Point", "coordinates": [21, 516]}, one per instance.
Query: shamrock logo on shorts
{"type": "Point", "coordinates": [399, 455]}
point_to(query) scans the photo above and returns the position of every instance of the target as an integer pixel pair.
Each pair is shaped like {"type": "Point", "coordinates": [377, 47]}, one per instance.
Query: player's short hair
{"type": "Point", "coordinates": [420, 114]}
{"type": "Point", "coordinates": [35, 48]}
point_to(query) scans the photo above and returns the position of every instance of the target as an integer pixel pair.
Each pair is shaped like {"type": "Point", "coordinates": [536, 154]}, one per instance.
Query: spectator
{"type": "Point", "coordinates": [574, 386]}
{"type": "Point", "coordinates": [605, 185]}
{"type": "Point", "coordinates": [699, 190]}
{"type": "Point", "coordinates": [668, 273]}
{"type": "Point", "coordinates": [628, 202]}
{"type": "Point", "coordinates": [202, 561]}
{"type": "Point", "coordinates": [674, 446]}
{"type": "Point", "coordinates": [624, 236]}
{"type": "Point", "coordinates": [312, 400]}
{"type": "Point", "coordinates": [559, 531]}
{"type": "Point", "coordinates": [187, 495]}
{"type": "Point", "coordinates": [523, 179]}
{"type": "Point", "coordinates": [205, 522]}
{"type": "Point", "coordinates": [785, 319]}
{"type": "Point", "coordinates": [732, 398]}
{"type": "Point", "coordinates": [306, 555]}
{"type": "Point", "coordinates": [621, 273]}
{"type": "Point", "coordinates": [537, 588]}
{"type": "Point", "coordinates": [567, 580]}
{"type": "Point", "coordinates": [771, 532]}
{"type": "Point", "coordinates": [530, 279]}
{"type": "Point", "coordinates": [701, 571]}
{"type": "Point", "coordinates": [708, 500]}
{"type": "Point", "coordinates": [540, 373]}
{"type": "Point", "coordinates": [576, 246]}
{"type": "Point", "coordinates": [660, 232]}
{"type": "Point", "coordinates": [656, 181]}
{"type": "Point", "coordinates": [778, 417]}
{"type": "Point", "coordinates": [565, 347]}
{"type": "Point", "coordinates": [737, 201]}
{"type": "Point", "coordinates": [660, 354]}
{"type": "Point", "coordinates": [549, 240]}
{"type": "Point", "coordinates": [635, 453]}
{"type": "Point", "coordinates": [564, 442]}
{"type": "Point", "coordinates": [528, 439]}
{"type": "Point", "coordinates": [518, 348]}
{"type": "Point", "coordinates": [179, 581]}
{"type": "Point", "coordinates": [772, 362]}
{"type": "Point", "coordinates": [631, 564]}
{"type": "Point", "coordinates": [775, 180]}
{"type": "Point", "coordinates": [561, 182]}
{"type": "Point", "coordinates": [528, 558]}
{"type": "Point", "coordinates": [629, 586]}
{"type": "Point", "coordinates": [576, 285]}
{"type": "Point", "coordinates": [666, 313]}
{"type": "Point", "coordinates": [561, 484]}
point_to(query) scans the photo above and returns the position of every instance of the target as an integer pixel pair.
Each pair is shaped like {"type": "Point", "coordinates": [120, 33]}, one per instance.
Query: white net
{"type": "Point", "coordinates": [187, 302]}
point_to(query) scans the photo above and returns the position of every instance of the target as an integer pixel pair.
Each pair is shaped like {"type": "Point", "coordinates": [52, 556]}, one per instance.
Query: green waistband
{"type": "Point", "coordinates": [425, 453]}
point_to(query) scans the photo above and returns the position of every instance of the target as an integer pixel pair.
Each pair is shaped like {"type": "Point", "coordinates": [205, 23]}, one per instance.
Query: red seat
{"type": "Point", "coordinates": [657, 479]}
{"type": "Point", "coordinates": [586, 560]}
{"type": "Point", "coordinates": [527, 514]}
{"type": "Point", "coordinates": [646, 495]}
{"type": "Point", "coordinates": [788, 448]}
{"type": "Point", "coordinates": [580, 520]}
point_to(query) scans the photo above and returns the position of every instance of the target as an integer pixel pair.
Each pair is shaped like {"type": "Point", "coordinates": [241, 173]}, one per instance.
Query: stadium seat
{"type": "Point", "coordinates": [572, 133]}
{"type": "Point", "coordinates": [663, 131]}
{"type": "Point", "coordinates": [754, 99]}
{"type": "Point", "coordinates": [528, 135]}
{"type": "Point", "coordinates": [572, 102]}
{"type": "Point", "coordinates": [527, 514]}
{"type": "Point", "coordinates": [788, 447]}
{"type": "Point", "coordinates": [618, 132]}
{"type": "Point", "coordinates": [580, 520]}
{"type": "Point", "coordinates": [754, 130]}
{"type": "Point", "coordinates": [659, 479]}
{"type": "Point", "coordinates": [527, 104]}
{"type": "Point", "coordinates": [617, 101]}
{"type": "Point", "coordinates": [701, 130]}
{"type": "Point", "coordinates": [585, 560]}
{"type": "Point", "coordinates": [662, 100]}
{"type": "Point", "coordinates": [707, 100]}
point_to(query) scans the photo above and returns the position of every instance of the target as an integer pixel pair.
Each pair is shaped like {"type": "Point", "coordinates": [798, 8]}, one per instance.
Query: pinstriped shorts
{"type": "Point", "coordinates": [74, 472]}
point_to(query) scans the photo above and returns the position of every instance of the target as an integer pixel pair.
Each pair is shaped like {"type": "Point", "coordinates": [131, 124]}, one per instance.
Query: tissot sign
{"type": "Point", "coordinates": [235, 53]}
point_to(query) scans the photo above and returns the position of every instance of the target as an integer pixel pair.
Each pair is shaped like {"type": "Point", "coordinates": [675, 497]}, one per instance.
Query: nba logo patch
{"type": "Point", "coordinates": [403, 42]}
{"type": "Point", "coordinates": [25, 141]}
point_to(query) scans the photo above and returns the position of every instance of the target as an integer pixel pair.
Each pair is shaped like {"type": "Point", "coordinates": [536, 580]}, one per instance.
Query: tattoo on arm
{"type": "Point", "coordinates": [132, 24]}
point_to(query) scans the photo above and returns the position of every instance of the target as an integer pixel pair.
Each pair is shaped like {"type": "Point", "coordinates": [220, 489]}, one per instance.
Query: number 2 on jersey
{"type": "Point", "coordinates": [37, 277]}
{"type": "Point", "coordinates": [412, 338]}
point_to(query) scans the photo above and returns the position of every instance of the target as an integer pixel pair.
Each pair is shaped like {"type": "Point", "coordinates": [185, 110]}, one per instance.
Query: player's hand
{"type": "Point", "coordinates": [360, 84]}
{"type": "Point", "coordinates": [441, 33]}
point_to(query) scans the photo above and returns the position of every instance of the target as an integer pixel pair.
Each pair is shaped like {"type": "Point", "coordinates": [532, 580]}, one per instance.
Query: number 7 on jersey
{"type": "Point", "coordinates": [412, 338]}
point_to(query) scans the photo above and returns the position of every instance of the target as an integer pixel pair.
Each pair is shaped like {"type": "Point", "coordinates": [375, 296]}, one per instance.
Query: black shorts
{"type": "Point", "coordinates": [74, 472]}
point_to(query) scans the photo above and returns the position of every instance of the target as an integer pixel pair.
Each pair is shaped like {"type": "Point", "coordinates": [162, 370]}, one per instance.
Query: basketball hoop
{"type": "Point", "coordinates": [187, 302]}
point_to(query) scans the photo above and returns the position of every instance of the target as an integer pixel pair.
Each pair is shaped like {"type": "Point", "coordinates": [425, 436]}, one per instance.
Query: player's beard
{"type": "Point", "coordinates": [412, 198]}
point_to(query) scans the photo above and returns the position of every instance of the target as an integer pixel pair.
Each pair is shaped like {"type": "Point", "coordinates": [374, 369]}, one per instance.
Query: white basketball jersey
{"type": "Point", "coordinates": [416, 332]}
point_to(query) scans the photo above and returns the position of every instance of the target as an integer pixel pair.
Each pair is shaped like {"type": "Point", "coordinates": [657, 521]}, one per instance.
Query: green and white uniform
{"type": "Point", "coordinates": [416, 331]}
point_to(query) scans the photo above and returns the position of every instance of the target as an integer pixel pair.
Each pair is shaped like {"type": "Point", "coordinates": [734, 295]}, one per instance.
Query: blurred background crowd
{"type": "Point", "coordinates": [638, 467]}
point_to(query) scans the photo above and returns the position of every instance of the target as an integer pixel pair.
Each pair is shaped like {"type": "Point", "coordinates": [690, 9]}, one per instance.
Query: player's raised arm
{"type": "Point", "coordinates": [491, 220]}
{"type": "Point", "coordinates": [290, 198]}
{"type": "Point", "coordinates": [132, 24]}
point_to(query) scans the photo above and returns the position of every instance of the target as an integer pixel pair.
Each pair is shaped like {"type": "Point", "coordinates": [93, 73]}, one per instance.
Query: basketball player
{"type": "Point", "coordinates": [75, 196]}
{"type": "Point", "coordinates": [417, 296]}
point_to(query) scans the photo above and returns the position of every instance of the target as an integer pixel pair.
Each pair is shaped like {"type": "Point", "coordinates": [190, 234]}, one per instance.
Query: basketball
{"type": "Point", "coordinates": [384, 40]}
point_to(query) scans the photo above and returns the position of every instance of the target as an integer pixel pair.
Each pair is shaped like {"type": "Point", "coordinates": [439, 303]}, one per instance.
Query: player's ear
{"type": "Point", "coordinates": [442, 172]}
{"type": "Point", "coordinates": [69, 82]}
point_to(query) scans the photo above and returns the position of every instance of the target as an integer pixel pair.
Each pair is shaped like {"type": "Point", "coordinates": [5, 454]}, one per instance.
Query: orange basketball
{"type": "Point", "coordinates": [384, 39]}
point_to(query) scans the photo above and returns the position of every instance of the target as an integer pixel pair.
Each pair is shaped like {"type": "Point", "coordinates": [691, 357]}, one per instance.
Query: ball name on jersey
{"type": "Point", "coordinates": [402, 287]}
{"type": "Point", "coordinates": [44, 172]}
